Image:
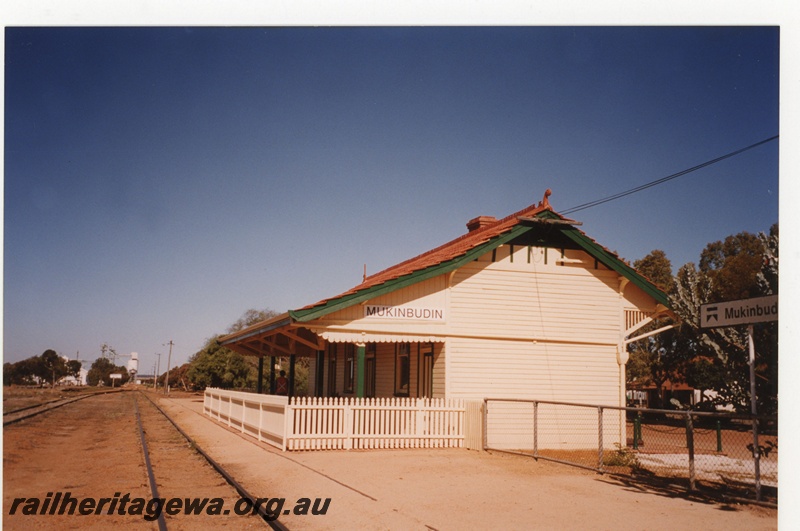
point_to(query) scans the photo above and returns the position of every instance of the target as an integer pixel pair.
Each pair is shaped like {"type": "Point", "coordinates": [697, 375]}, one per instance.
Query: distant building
{"type": "Point", "coordinates": [71, 380]}
{"type": "Point", "coordinates": [144, 379]}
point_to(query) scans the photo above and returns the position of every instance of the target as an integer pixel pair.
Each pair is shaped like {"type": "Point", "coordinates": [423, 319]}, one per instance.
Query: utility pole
{"type": "Point", "coordinates": [169, 360]}
{"type": "Point", "coordinates": [158, 368]}
{"type": "Point", "coordinates": [77, 358]}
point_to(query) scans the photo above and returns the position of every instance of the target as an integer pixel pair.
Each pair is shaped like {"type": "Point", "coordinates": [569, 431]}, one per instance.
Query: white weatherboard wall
{"type": "Point", "coordinates": [526, 329]}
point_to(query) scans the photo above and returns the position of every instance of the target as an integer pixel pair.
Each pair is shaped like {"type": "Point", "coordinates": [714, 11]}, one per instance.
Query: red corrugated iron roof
{"type": "Point", "coordinates": [448, 251]}
{"type": "Point", "coordinates": [482, 230]}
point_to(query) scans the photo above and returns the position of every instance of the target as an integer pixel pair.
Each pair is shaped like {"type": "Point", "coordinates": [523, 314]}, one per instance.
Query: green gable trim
{"type": "Point", "coordinates": [616, 264]}
{"type": "Point", "coordinates": [309, 314]}
{"type": "Point", "coordinates": [608, 259]}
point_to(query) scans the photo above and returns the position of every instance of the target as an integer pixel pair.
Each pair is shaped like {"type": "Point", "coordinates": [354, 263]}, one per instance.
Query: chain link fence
{"type": "Point", "coordinates": [725, 454]}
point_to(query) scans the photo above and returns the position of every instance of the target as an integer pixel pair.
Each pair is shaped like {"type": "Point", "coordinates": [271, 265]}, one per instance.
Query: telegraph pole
{"type": "Point", "coordinates": [169, 359]}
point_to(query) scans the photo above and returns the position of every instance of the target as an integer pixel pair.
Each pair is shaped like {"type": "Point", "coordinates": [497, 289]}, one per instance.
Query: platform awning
{"type": "Point", "coordinates": [278, 336]}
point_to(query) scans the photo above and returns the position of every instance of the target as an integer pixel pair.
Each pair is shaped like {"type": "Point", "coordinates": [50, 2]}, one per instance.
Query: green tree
{"type": "Point", "coordinates": [101, 370]}
{"type": "Point", "coordinates": [24, 372]}
{"type": "Point", "coordinates": [661, 357]}
{"type": "Point", "coordinates": [48, 368]}
{"type": "Point", "coordinates": [53, 367]}
{"type": "Point", "coordinates": [733, 266]}
{"type": "Point", "coordinates": [658, 269]}
{"type": "Point", "coordinates": [741, 266]}
{"type": "Point", "coordinates": [177, 377]}
{"type": "Point", "coordinates": [217, 366]}
{"type": "Point", "coordinates": [74, 368]}
{"type": "Point", "coordinates": [703, 374]}
{"type": "Point", "coordinates": [250, 317]}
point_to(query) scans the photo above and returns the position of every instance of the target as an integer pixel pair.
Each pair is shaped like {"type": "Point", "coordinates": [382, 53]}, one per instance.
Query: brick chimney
{"type": "Point", "coordinates": [479, 222]}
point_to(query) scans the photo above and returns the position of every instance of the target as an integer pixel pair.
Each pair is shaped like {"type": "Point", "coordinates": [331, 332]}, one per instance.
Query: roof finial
{"type": "Point", "coordinates": [545, 203]}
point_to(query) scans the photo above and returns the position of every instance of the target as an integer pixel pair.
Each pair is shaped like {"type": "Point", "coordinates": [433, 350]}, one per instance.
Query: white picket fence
{"type": "Point", "coordinates": [308, 423]}
{"type": "Point", "coordinates": [260, 416]}
{"type": "Point", "coordinates": [344, 423]}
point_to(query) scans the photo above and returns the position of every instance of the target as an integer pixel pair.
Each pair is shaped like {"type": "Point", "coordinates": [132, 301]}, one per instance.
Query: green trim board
{"type": "Point", "coordinates": [600, 253]}
{"type": "Point", "coordinates": [614, 263]}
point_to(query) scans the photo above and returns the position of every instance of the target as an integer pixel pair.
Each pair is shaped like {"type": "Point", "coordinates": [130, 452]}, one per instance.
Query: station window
{"type": "Point", "coordinates": [402, 368]}
{"type": "Point", "coordinates": [369, 376]}
{"type": "Point", "coordinates": [349, 367]}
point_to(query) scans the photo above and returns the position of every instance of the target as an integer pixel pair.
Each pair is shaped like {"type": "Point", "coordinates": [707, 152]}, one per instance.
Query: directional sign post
{"type": "Point", "coordinates": [746, 311]}
{"type": "Point", "coordinates": [114, 377]}
{"type": "Point", "coordinates": [741, 312]}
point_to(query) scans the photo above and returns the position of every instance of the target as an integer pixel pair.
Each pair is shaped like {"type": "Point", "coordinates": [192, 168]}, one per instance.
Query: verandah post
{"type": "Point", "coordinates": [361, 356]}
{"type": "Point", "coordinates": [292, 361]}
{"type": "Point", "coordinates": [260, 386]}
{"type": "Point", "coordinates": [272, 375]}
{"type": "Point", "coordinates": [319, 368]}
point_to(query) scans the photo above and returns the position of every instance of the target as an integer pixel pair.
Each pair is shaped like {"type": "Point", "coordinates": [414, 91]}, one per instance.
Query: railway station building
{"type": "Point", "coordinates": [527, 306]}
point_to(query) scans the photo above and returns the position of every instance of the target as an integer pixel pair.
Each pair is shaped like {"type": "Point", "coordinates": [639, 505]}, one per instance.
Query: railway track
{"type": "Point", "coordinates": [123, 444]}
{"type": "Point", "coordinates": [16, 415]}
{"type": "Point", "coordinates": [161, 436]}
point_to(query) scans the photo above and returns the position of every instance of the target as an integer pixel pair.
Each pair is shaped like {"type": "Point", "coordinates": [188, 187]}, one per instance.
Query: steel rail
{"type": "Point", "coordinates": [14, 411]}
{"type": "Point", "coordinates": [162, 523]}
{"type": "Point", "coordinates": [270, 521]}
{"type": "Point", "coordinates": [49, 406]}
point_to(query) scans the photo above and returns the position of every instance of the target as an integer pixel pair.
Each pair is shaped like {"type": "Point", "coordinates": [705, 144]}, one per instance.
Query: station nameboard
{"type": "Point", "coordinates": [404, 312]}
{"type": "Point", "coordinates": [745, 311]}
{"type": "Point", "coordinates": [115, 376]}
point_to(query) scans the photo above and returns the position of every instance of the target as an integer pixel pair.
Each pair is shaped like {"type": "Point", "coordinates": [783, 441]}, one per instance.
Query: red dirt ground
{"type": "Point", "coordinates": [91, 448]}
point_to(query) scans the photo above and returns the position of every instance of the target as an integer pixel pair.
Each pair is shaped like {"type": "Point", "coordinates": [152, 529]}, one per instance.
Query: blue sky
{"type": "Point", "coordinates": [159, 182]}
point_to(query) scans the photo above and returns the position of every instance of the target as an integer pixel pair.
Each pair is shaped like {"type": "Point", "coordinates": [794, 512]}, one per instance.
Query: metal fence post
{"type": "Point", "coordinates": [484, 429]}
{"type": "Point", "coordinates": [600, 438]}
{"type": "Point", "coordinates": [719, 436]}
{"type": "Point", "coordinates": [753, 409]}
{"type": "Point", "coordinates": [535, 429]}
{"type": "Point", "coordinates": [637, 430]}
{"type": "Point", "coordinates": [757, 459]}
{"type": "Point", "coordinates": [690, 446]}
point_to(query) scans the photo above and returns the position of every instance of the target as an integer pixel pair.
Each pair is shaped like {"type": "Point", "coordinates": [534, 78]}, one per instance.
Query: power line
{"type": "Point", "coordinates": [665, 179]}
